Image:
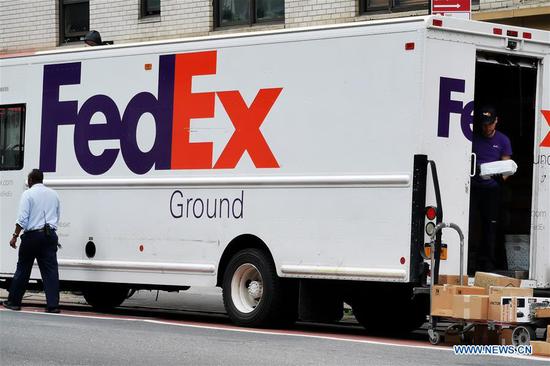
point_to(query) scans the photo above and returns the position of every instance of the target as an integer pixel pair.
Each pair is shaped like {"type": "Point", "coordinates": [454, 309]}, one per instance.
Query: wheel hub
{"type": "Point", "coordinates": [246, 288]}
{"type": "Point", "coordinates": [255, 289]}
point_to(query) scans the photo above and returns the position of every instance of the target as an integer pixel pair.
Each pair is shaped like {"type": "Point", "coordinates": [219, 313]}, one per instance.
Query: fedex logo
{"type": "Point", "coordinates": [447, 106]}
{"type": "Point", "coordinates": [172, 109]}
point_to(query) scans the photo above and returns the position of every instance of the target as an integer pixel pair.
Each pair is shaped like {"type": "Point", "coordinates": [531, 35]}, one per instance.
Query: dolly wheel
{"type": "Point", "coordinates": [522, 335]}
{"type": "Point", "coordinates": [435, 337]}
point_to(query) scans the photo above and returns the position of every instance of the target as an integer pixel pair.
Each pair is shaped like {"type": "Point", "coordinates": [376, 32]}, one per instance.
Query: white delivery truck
{"type": "Point", "coordinates": [291, 168]}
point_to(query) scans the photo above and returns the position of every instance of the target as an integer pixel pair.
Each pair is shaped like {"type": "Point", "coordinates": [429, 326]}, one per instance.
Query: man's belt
{"type": "Point", "coordinates": [41, 230]}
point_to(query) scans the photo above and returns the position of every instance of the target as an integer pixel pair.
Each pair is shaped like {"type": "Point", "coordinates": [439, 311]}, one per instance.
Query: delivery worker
{"type": "Point", "coordinates": [489, 145]}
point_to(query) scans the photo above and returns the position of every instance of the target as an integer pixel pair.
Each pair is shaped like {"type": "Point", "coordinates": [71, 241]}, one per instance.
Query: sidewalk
{"type": "Point", "coordinates": [195, 299]}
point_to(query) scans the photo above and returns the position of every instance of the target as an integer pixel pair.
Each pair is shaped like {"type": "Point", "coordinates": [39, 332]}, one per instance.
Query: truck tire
{"type": "Point", "coordinates": [254, 295]}
{"type": "Point", "coordinates": [105, 297]}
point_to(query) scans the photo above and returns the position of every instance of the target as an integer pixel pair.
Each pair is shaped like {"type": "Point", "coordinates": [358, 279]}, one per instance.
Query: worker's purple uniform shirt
{"type": "Point", "coordinates": [489, 149]}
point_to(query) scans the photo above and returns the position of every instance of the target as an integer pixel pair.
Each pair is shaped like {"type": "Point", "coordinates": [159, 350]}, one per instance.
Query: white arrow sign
{"type": "Point", "coordinates": [447, 6]}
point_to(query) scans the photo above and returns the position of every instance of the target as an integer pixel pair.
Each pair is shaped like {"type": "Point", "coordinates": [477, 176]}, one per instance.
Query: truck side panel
{"type": "Point", "coordinates": [343, 131]}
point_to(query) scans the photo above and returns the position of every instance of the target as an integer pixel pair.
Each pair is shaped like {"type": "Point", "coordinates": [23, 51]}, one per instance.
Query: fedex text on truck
{"type": "Point", "coordinates": [173, 108]}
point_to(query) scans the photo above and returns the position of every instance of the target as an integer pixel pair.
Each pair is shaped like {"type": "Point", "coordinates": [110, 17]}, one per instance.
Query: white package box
{"type": "Point", "coordinates": [524, 307]}
{"type": "Point", "coordinates": [504, 167]}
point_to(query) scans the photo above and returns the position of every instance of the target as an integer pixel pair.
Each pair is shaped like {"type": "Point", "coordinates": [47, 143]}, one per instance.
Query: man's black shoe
{"type": "Point", "coordinates": [53, 310]}
{"type": "Point", "coordinates": [9, 305]}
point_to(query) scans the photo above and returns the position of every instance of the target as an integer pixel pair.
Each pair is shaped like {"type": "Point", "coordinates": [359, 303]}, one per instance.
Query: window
{"type": "Point", "coordinates": [74, 20]}
{"type": "Point", "coordinates": [12, 137]}
{"type": "Point", "coordinates": [388, 6]}
{"type": "Point", "coordinates": [248, 12]}
{"type": "Point", "coordinates": [150, 8]}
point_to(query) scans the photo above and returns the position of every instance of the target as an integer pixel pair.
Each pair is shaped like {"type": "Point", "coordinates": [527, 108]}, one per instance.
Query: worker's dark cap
{"type": "Point", "coordinates": [486, 115]}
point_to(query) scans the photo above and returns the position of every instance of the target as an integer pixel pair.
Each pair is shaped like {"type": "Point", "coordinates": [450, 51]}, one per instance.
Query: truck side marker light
{"type": "Point", "coordinates": [409, 46]}
{"type": "Point", "coordinates": [442, 254]}
{"type": "Point", "coordinates": [527, 35]}
{"type": "Point", "coordinates": [148, 67]}
{"type": "Point", "coordinates": [141, 248]}
{"type": "Point", "coordinates": [402, 260]}
{"type": "Point", "coordinates": [437, 23]}
{"type": "Point", "coordinates": [511, 33]}
{"type": "Point", "coordinates": [497, 31]}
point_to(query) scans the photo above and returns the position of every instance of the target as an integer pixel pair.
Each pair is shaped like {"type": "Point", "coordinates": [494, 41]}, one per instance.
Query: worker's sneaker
{"type": "Point", "coordinates": [9, 305]}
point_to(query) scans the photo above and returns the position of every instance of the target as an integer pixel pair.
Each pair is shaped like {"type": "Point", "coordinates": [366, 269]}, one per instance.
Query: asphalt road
{"type": "Point", "coordinates": [81, 337]}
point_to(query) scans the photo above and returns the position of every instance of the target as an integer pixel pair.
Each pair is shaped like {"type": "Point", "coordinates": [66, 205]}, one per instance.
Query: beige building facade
{"type": "Point", "coordinates": [30, 25]}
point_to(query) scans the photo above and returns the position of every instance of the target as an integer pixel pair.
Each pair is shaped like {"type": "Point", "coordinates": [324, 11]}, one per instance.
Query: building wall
{"type": "Point", "coordinates": [302, 13]}
{"type": "Point", "coordinates": [34, 24]}
{"type": "Point", "coordinates": [119, 20]}
{"type": "Point", "coordinates": [523, 13]}
{"type": "Point", "coordinates": [28, 24]}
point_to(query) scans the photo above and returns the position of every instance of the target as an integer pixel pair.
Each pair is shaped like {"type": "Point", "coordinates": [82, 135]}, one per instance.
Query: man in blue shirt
{"type": "Point", "coordinates": [38, 217]}
{"type": "Point", "coordinates": [489, 145]}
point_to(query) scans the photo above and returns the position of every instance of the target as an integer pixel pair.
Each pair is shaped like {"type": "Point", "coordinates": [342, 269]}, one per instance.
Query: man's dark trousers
{"type": "Point", "coordinates": [35, 245]}
{"type": "Point", "coordinates": [486, 199]}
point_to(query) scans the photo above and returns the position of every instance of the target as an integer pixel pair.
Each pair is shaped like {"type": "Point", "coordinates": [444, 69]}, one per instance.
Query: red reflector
{"type": "Point", "coordinates": [431, 212]}
{"type": "Point", "coordinates": [497, 31]}
{"type": "Point", "coordinates": [512, 33]}
{"type": "Point", "coordinates": [438, 23]}
{"type": "Point", "coordinates": [402, 260]}
{"type": "Point", "coordinates": [527, 35]}
{"type": "Point", "coordinates": [148, 67]}
{"type": "Point", "coordinates": [141, 248]}
{"type": "Point", "coordinates": [409, 46]}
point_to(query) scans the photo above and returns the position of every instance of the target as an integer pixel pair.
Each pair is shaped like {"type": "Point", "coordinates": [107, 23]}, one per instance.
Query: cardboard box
{"type": "Point", "coordinates": [442, 301]}
{"type": "Point", "coordinates": [508, 309]}
{"type": "Point", "coordinates": [542, 313]}
{"type": "Point", "coordinates": [540, 348]}
{"type": "Point", "coordinates": [495, 295]}
{"type": "Point", "coordinates": [442, 297]}
{"type": "Point", "coordinates": [470, 306]}
{"type": "Point", "coordinates": [452, 279]}
{"type": "Point", "coordinates": [484, 336]}
{"type": "Point", "coordinates": [484, 279]}
{"type": "Point", "coordinates": [505, 337]}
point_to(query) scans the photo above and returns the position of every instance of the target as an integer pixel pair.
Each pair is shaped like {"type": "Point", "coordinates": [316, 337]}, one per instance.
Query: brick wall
{"type": "Point", "coordinates": [492, 5]}
{"type": "Point", "coordinates": [119, 20]}
{"type": "Point", "coordinates": [301, 13]}
{"type": "Point", "coordinates": [34, 24]}
{"type": "Point", "coordinates": [28, 24]}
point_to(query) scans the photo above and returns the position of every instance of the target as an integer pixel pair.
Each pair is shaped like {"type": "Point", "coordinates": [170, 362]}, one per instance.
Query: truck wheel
{"type": "Point", "coordinates": [105, 297]}
{"type": "Point", "coordinates": [254, 295]}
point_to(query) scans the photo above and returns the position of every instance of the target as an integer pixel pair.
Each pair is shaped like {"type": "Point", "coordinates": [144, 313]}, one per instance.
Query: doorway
{"type": "Point", "coordinates": [507, 83]}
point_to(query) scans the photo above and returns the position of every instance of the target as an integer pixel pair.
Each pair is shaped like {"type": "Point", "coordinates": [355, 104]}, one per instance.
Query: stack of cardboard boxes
{"type": "Point", "coordinates": [479, 302]}
{"type": "Point", "coordinates": [542, 348]}
{"type": "Point", "coordinates": [484, 301]}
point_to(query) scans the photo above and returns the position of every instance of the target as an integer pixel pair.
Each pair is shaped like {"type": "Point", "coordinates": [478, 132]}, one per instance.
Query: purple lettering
{"type": "Point", "coordinates": [138, 161]}
{"type": "Point", "coordinates": [85, 132]}
{"type": "Point", "coordinates": [54, 112]}
{"type": "Point", "coordinates": [467, 120]}
{"type": "Point", "coordinates": [446, 104]}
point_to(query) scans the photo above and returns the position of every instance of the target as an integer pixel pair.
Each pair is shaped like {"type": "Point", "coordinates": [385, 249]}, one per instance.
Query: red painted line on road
{"type": "Point", "coordinates": [233, 328]}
